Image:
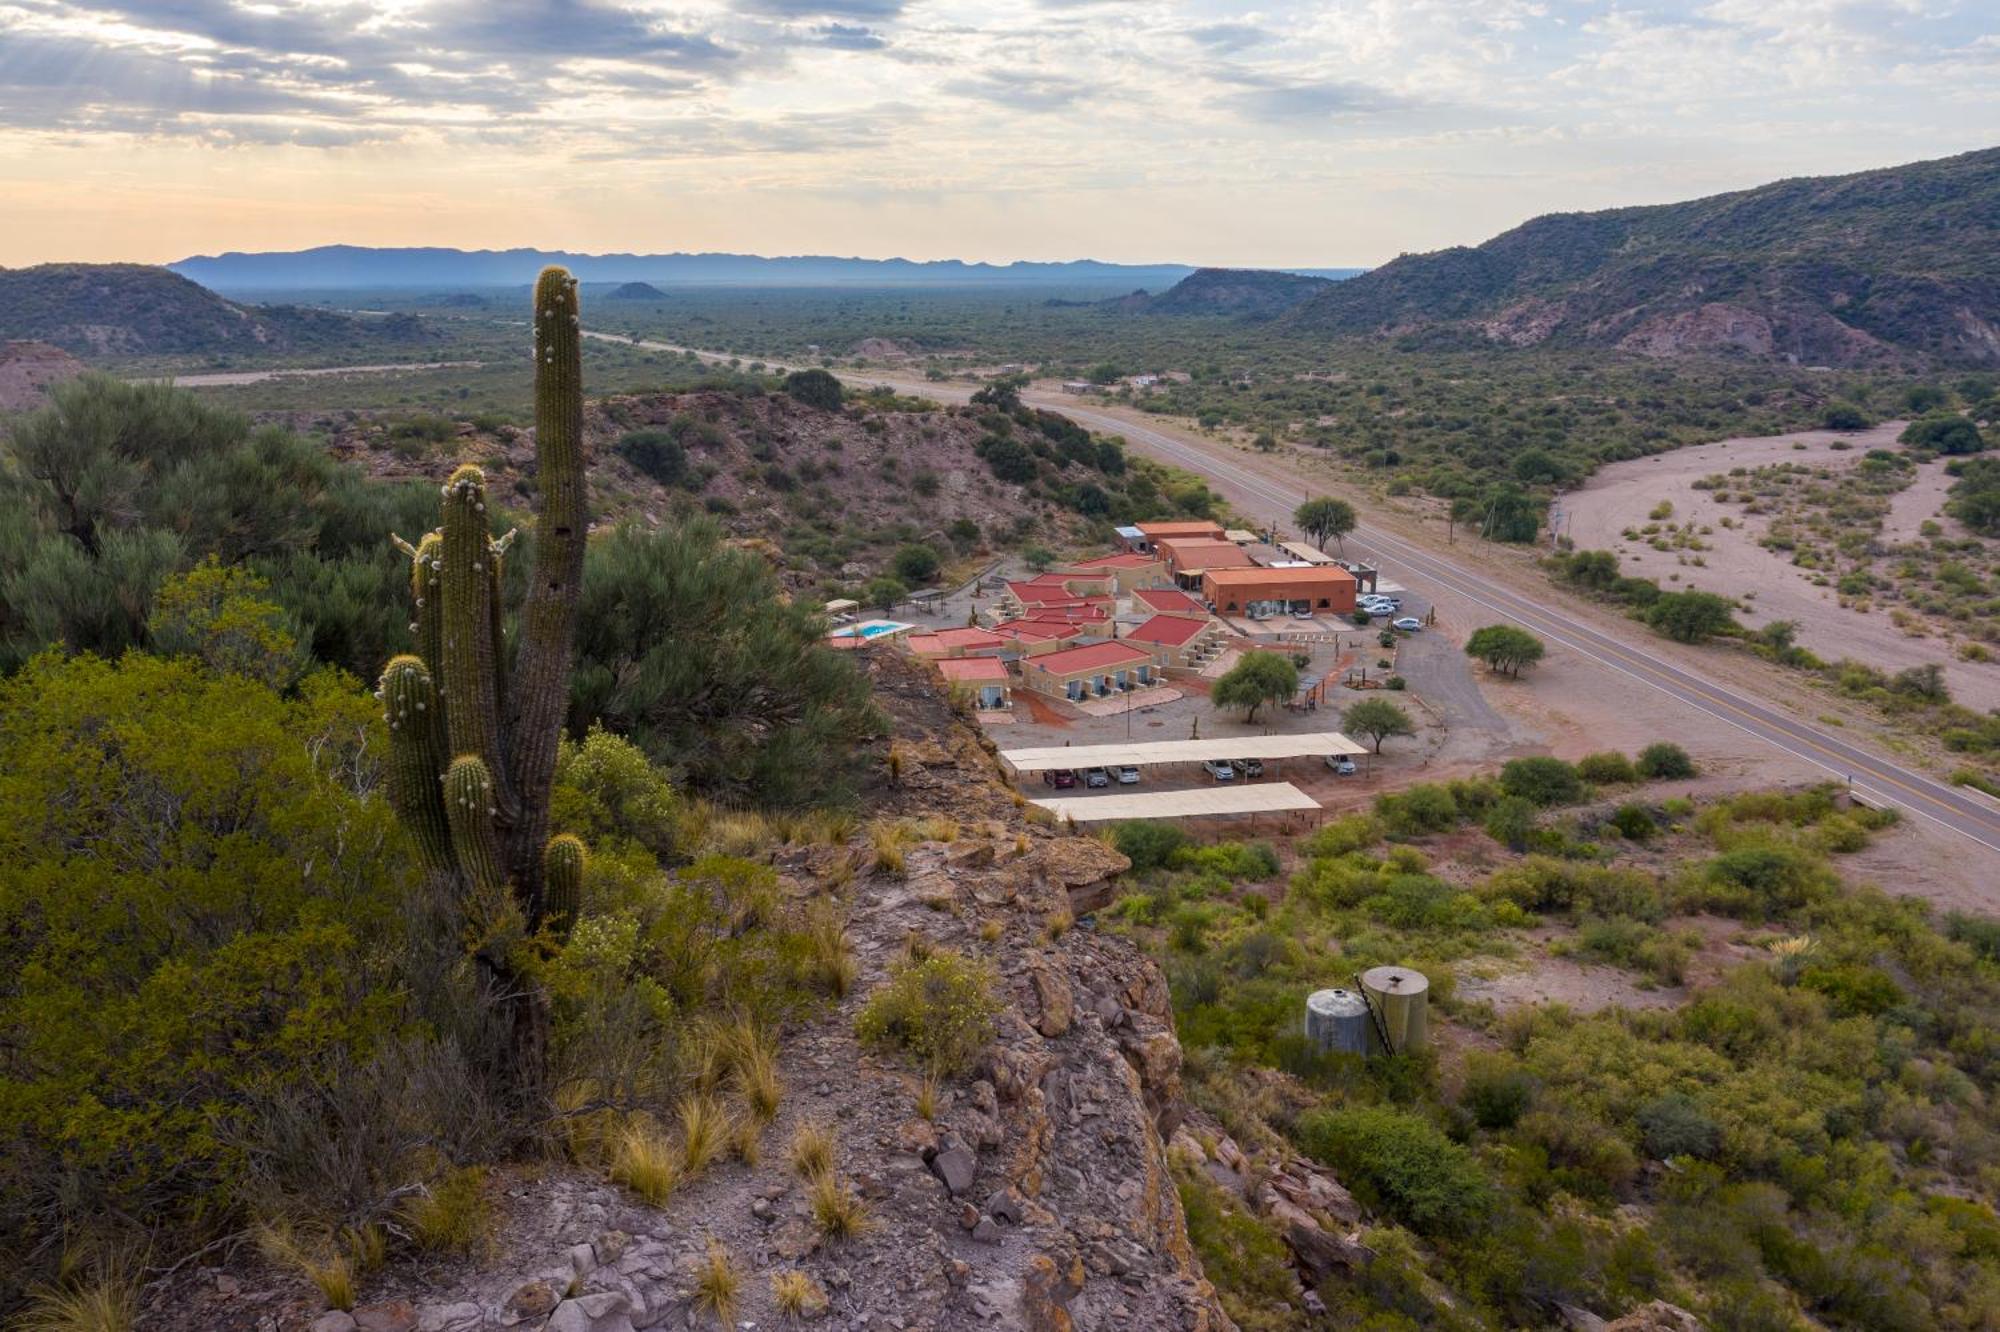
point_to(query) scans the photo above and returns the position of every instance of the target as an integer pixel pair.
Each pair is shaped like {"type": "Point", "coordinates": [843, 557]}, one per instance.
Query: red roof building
{"type": "Point", "coordinates": [985, 676]}
{"type": "Point", "coordinates": [1092, 671]}
{"type": "Point", "coordinates": [1178, 640]}
{"type": "Point", "coordinates": [1168, 601]}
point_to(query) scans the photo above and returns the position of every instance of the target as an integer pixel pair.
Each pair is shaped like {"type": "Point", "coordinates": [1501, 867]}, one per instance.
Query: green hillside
{"type": "Point", "coordinates": [1895, 264]}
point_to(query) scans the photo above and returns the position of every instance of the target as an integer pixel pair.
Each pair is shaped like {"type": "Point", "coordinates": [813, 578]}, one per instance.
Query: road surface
{"type": "Point", "coordinates": [1968, 813]}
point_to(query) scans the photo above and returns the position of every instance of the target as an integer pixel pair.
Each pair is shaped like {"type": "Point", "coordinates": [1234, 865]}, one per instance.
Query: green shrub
{"type": "Point", "coordinates": [1664, 762]}
{"type": "Point", "coordinates": [1852, 989]}
{"type": "Point", "coordinates": [1402, 1164]}
{"type": "Point", "coordinates": [1148, 843]}
{"type": "Point", "coordinates": [1497, 1092]}
{"type": "Point", "coordinates": [939, 1009]}
{"type": "Point", "coordinates": [1511, 822]}
{"type": "Point", "coordinates": [1607, 769]}
{"type": "Point", "coordinates": [1674, 1125]}
{"type": "Point", "coordinates": [1542, 781]}
{"type": "Point", "coordinates": [1421, 809]}
{"type": "Point", "coordinates": [656, 453]}
{"type": "Point", "coordinates": [1634, 822]}
{"type": "Point", "coordinates": [815, 388]}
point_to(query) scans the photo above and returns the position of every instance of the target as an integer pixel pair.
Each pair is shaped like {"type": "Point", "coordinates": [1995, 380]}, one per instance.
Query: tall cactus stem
{"type": "Point", "coordinates": [416, 757]}
{"type": "Point", "coordinates": [471, 666]}
{"type": "Point", "coordinates": [562, 883]}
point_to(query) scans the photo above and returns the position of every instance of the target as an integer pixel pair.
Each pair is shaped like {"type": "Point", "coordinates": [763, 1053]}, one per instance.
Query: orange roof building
{"type": "Point", "coordinates": [1263, 592]}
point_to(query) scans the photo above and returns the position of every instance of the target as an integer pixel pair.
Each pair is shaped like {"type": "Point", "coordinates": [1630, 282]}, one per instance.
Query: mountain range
{"type": "Point", "coordinates": [1896, 264]}
{"type": "Point", "coordinates": [1247, 293]}
{"type": "Point", "coordinates": [112, 310]}
{"type": "Point", "coordinates": [354, 267]}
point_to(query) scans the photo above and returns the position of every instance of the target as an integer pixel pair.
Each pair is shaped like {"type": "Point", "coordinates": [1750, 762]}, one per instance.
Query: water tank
{"type": "Point", "coordinates": [1337, 1022]}
{"type": "Point", "coordinates": [1401, 998]}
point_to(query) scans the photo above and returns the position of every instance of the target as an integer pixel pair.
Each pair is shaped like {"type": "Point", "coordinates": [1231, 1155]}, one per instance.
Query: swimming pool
{"type": "Point", "coordinates": [870, 630]}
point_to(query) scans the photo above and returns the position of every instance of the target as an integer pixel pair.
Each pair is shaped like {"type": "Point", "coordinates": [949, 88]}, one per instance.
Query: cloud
{"type": "Point", "coordinates": [1230, 36]}
{"type": "Point", "coordinates": [853, 9]}
{"type": "Point", "coordinates": [1266, 98]}
{"type": "Point", "coordinates": [1019, 92]}
{"type": "Point", "coordinates": [850, 37]}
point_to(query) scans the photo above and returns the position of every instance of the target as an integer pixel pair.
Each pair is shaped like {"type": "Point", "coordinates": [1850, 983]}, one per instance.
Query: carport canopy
{"type": "Point", "coordinates": [1318, 744]}
{"type": "Point", "coordinates": [1256, 798]}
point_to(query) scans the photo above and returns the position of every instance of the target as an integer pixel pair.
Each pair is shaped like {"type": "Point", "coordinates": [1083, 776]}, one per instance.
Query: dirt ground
{"type": "Point", "coordinates": [1622, 496]}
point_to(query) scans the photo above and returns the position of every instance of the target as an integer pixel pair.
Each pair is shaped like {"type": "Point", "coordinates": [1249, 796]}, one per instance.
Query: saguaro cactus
{"type": "Point", "coordinates": [473, 752]}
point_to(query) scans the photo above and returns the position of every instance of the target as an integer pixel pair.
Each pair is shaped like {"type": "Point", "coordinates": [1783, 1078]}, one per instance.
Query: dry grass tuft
{"type": "Point", "coordinates": [717, 1284]}
{"type": "Point", "coordinates": [645, 1162]}
{"type": "Point", "coordinates": [797, 1295]}
{"type": "Point", "coordinates": [812, 1149]}
{"type": "Point", "coordinates": [316, 1258]}
{"type": "Point", "coordinates": [105, 1302]}
{"type": "Point", "coordinates": [927, 1097]}
{"type": "Point", "coordinates": [704, 1127]}
{"type": "Point", "coordinates": [832, 963]}
{"type": "Point", "coordinates": [755, 1062]}
{"type": "Point", "coordinates": [889, 841]}
{"type": "Point", "coordinates": [837, 1210]}
{"type": "Point", "coordinates": [450, 1217]}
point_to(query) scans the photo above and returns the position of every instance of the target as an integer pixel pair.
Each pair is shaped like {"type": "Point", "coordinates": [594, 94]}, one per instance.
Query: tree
{"type": "Point", "coordinates": [1003, 393]}
{"type": "Point", "coordinates": [687, 647]}
{"type": "Point", "coordinates": [1596, 570]}
{"type": "Point", "coordinates": [1325, 519]}
{"type": "Point", "coordinates": [221, 616]}
{"type": "Point", "coordinates": [1541, 781]}
{"type": "Point", "coordinates": [1691, 617]}
{"type": "Point", "coordinates": [916, 564]}
{"type": "Point", "coordinates": [1378, 719]}
{"type": "Point", "coordinates": [1539, 467]}
{"type": "Point", "coordinates": [1009, 459]}
{"type": "Point", "coordinates": [657, 453]}
{"type": "Point", "coordinates": [1038, 558]}
{"type": "Point", "coordinates": [1505, 648]}
{"type": "Point", "coordinates": [815, 388]}
{"type": "Point", "coordinates": [1947, 433]}
{"type": "Point", "coordinates": [1257, 679]}
{"type": "Point", "coordinates": [884, 593]}
{"type": "Point", "coordinates": [1510, 514]}
{"type": "Point", "coordinates": [1664, 761]}
{"type": "Point", "coordinates": [1845, 416]}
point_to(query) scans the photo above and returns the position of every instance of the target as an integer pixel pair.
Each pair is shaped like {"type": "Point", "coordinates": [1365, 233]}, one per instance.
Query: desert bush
{"type": "Point", "coordinates": [1149, 844]}
{"type": "Point", "coordinates": [939, 1009]}
{"type": "Point", "coordinates": [1401, 1163]}
{"type": "Point", "coordinates": [1418, 810]}
{"type": "Point", "coordinates": [1542, 781]}
{"type": "Point", "coordinates": [1673, 1125]}
{"type": "Point", "coordinates": [1497, 1091]}
{"type": "Point", "coordinates": [1664, 762]}
{"type": "Point", "coordinates": [656, 453]}
{"type": "Point", "coordinates": [1607, 769]}
{"type": "Point", "coordinates": [453, 1214]}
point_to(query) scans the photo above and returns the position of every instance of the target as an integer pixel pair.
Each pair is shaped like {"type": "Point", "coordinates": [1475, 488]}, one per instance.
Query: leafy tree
{"type": "Point", "coordinates": [1691, 617]}
{"type": "Point", "coordinates": [1038, 558]}
{"type": "Point", "coordinates": [657, 453]}
{"type": "Point", "coordinates": [1148, 843]}
{"type": "Point", "coordinates": [1542, 781]}
{"type": "Point", "coordinates": [1003, 393]}
{"type": "Point", "coordinates": [1539, 467]}
{"type": "Point", "coordinates": [1511, 514]}
{"type": "Point", "coordinates": [1378, 719]}
{"type": "Point", "coordinates": [1325, 519]}
{"type": "Point", "coordinates": [1845, 416]}
{"type": "Point", "coordinates": [1104, 373]}
{"type": "Point", "coordinates": [1009, 459]}
{"type": "Point", "coordinates": [1975, 496]}
{"type": "Point", "coordinates": [1504, 648]}
{"type": "Point", "coordinates": [884, 592]}
{"type": "Point", "coordinates": [916, 564]}
{"type": "Point", "coordinates": [1258, 678]}
{"type": "Point", "coordinates": [1596, 570]}
{"type": "Point", "coordinates": [220, 615]}
{"type": "Point", "coordinates": [685, 645]}
{"type": "Point", "coordinates": [1947, 433]}
{"type": "Point", "coordinates": [815, 388]}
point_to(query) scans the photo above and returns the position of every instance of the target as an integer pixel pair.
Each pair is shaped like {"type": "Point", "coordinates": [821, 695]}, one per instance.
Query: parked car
{"type": "Point", "coordinates": [1409, 624]}
{"type": "Point", "coordinates": [1126, 775]}
{"type": "Point", "coordinates": [1302, 613]}
{"type": "Point", "coordinates": [1342, 765]}
{"type": "Point", "coordinates": [1379, 603]}
{"type": "Point", "coordinates": [1095, 778]}
{"type": "Point", "coordinates": [1060, 778]}
{"type": "Point", "coordinates": [1248, 767]}
{"type": "Point", "coordinates": [1219, 770]}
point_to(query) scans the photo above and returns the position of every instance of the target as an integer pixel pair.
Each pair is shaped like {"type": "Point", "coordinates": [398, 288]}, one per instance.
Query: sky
{"type": "Point", "coordinates": [1328, 133]}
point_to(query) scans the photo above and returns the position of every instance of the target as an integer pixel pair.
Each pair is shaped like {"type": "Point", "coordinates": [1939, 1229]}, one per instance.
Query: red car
{"type": "Point", "coordinates": [1061, 778]}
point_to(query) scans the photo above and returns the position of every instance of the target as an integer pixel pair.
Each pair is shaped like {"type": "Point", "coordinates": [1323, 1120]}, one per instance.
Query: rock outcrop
{"type": "Point", "coordinates": [29, 369]}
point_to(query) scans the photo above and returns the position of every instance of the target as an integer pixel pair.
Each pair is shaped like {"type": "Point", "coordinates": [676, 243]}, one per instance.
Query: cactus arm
{"type": "Point", "coordinates": [475, 842]}
{"type": "Point", "coordinates": [562, 883]}
{"type": "Point", "coordinates": [471, 671]}
{"type": "Point", "coordinates": [540, 693]}
{"type": "Point", "coordinates": [416, 757]}
{"type": "Point", "coordinates": [427, 603]}
{"type": "Point", "coordinates": [403, 546]}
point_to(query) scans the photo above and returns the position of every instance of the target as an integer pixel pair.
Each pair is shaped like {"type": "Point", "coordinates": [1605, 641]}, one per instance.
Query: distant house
{"type": "Point", "coordinates": [1260, 593]}
{"type": "Point", "coordinates": [1142, 381]}
{"type": "Point", "coordinates": [1127, 571]}
{"type": "Point", "coordinates": [1077, 386]}
{"type": "Point", "coordinates": [1177, 640]}
{"type": "Point", "coordinates": [1095, 670]}
{"type": "Point", "coordinates": [1168, 530]}
{"type": "Point", "coordinates": [1034, 638]}
{"type": "Point", "coordinates": [1187, 559]}
{"type": "Point", "coordinates": [951, 643]}
{"type": "Point", "coordinates": [985, 676]}
{"type": "Point", "coordinates": [1052, 590]}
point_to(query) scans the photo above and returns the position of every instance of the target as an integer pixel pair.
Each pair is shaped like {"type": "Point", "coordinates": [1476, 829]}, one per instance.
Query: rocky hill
{"type": "Point", "coordinates": [1247, 293]}
{"type": "Point", "coordinates": [112, 310]}
{"type": "Point", "coordinates": [1035, 1195]}
{"type": "Point", "coordinates": [837, 492]}
{"type": "Point", "coordinates": [27, 369]}
{"type": "Point", "coordinates": [1888, 265]}
{"type": "Point", "coordinates": [637, 291]}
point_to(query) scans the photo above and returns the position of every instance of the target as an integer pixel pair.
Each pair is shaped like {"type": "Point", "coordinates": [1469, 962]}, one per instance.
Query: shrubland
{"type": "Point", "coordinates": [1800, 1138]}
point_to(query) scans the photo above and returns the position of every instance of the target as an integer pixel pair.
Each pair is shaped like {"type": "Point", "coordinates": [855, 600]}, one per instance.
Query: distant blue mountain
{"type": "Point", "coordinates": [352, 267]}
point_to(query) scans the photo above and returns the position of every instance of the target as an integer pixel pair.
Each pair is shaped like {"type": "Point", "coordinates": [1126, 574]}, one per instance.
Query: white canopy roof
{"type": "Point", "coordinates": [1250, 798]}
{"type": "Point", "coordinates": [1317, 744]}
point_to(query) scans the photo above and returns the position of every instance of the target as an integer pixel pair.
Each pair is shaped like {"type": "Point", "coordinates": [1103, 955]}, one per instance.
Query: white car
{"type": "Point", "coordinates": [1342, 765]}
{"type": "Point", "coordinates": [1220, 770]}
{"type": "Point", "coordinates": [1409, 624]}
{"type": "Point", "coordinates": [1127, 775]}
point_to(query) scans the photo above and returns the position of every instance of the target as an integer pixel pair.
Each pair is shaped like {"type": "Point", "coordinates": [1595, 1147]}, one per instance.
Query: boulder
{"type": "Point", "coordinates": [333, 1320]}
{"type": "Point", "coordinates": [954, 1163]}
{"type": "Point", "coordinates": [388, 1316]}
{"type": "Point", "coordinates": [606, 1311]}
{"type": "Point", "coordinates": [1057, 1002]}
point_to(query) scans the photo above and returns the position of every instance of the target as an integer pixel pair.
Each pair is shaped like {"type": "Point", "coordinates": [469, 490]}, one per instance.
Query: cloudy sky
{"type": "Point", "coordinates": [1295, 133]}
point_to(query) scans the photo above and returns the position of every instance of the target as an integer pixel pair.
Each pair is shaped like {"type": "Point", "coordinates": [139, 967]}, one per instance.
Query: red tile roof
{"type": "Point", "coordinates": [967, 636]}
{"type": "Point", "coordinates": [925, 645]}
{"type": "Point", "coordinates": [1181, 529]}
{"type": "Point", "coordinates": [1168, 600]}
{"type": "Point", "coordinates": [1202, 553]}
{"type": "Point", "coordinates": [1331, 575]}
{"type": "Point", "coordinates": [1091, 657]}
{"type": "Point", "coordinates": [1121, 561]}
{"type": "Point", "coordinates": [1171, 630]}
{"type": "Point", "coordinates": [973, 668]}
{"type": "Point", "coordinates": [1040, 630]}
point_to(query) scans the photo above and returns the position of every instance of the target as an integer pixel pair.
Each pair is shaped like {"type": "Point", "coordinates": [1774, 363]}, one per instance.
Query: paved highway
{"type": "Point", "coordinates": [1967, 813]}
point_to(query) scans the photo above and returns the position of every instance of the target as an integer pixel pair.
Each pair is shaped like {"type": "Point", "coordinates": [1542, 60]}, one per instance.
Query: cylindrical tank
{"type": "Point", "coordinates": [1401, 998]}
{"type": "Point", "coordinates": [1337, 1022]}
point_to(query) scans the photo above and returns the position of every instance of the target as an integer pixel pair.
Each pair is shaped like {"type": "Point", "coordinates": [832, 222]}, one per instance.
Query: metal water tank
{"type": "Point", "coordinates": [1337, 1022]}
{"type": "Point", "coordinates": [1401, 999]}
